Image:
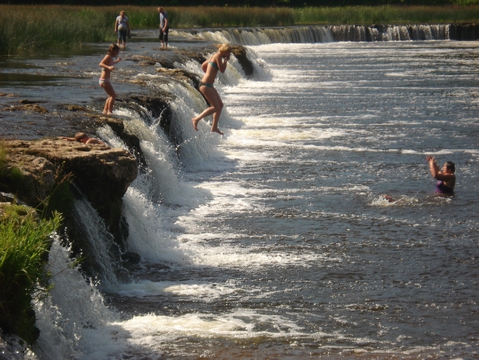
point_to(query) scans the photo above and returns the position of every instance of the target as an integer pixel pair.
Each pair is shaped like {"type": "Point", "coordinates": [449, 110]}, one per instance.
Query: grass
{"type": "Point", "coordinates": [367, 15]}
{"type": "Point", "coordinates": [26, 28]}
{"type": "Point", "coordinates": [24, 245]}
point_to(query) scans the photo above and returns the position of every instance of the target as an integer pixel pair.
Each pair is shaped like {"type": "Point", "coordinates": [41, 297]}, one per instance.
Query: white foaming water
{"type": "Point", "coordinates": [73, 308]}
{"type": "Point", "coordinates": [275, 240]}
{"type": "Point", "coordinates": [100, 240]}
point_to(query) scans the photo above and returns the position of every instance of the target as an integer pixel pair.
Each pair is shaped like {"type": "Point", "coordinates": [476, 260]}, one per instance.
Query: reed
{"type": "Point", "coordinates": [30, 28]}
{"type": "Point", "coordinates": [24, 245]}
{"type": "Point", "coordinates": [367, 15]}
{"type": "Point", "coordinates": [37, 28]}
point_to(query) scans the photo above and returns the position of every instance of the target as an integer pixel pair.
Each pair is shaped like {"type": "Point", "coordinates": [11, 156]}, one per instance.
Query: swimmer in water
{"type": "Point", "coordinates": [446, 178]}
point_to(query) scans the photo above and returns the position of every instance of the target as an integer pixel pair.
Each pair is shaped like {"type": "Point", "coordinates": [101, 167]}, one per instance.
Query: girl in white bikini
{"type": "Point", "coordinates": [107, 65]}
{"type": "Point", "coordinates": [217, 62]}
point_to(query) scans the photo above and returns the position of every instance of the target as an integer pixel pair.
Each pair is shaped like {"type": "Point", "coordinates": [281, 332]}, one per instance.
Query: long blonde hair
{"type": "Point", "coordinates": [224, 47]}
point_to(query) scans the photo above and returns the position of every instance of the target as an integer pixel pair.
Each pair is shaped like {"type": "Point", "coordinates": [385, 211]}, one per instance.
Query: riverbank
{"type": "Point", "coordinates": [26, 29]}
{"type": "Point", "coordinates": [62, 84]}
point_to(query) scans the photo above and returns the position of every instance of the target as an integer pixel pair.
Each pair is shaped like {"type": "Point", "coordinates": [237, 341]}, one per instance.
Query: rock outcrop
{"type": "Point", "coordinates": [101, 173]}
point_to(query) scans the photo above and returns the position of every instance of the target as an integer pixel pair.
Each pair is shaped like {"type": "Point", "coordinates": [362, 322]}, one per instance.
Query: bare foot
{"type": "Point", "coordinates": [195, 123]}
{"type": "Point", "coordinates": [217, 131]}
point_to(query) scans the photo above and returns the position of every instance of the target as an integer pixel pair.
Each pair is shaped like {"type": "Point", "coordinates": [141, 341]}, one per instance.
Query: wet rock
{"type": "Point", "coordinates": [28, 107]}
{"type": "Point", "coordinates": [240, 54]}
{"type": "Point", "coordinates": [101, 173]}
{"type": "Point", "coordinates": [74, 107]}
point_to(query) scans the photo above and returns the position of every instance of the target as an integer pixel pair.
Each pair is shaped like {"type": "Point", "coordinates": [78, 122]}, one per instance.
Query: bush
{"type": "Point", "coordinates": [24, 245]}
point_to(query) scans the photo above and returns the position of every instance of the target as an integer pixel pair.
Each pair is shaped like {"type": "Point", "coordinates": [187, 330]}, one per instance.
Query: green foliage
{"type": "Point", "coordinates": [229, 17]}
{"type": "Point", "coordinates": [8, 175]}
{"type": "Point", "coordinates": [366, 15]}
{"type": "Point", "coordinates": [29, 28]}
{"type": "Point", "coordinates": [24, 245]}
{"type": "Point", "coordinates": [32, 28]}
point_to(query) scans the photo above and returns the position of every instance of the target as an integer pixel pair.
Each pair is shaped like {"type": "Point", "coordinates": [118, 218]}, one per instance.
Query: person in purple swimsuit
{"type": "Point", "coordinates": [446, 179]}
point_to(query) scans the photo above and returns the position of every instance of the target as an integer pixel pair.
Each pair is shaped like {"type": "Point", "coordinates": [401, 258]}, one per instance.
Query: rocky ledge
{"type": "Point", "coordinates": [101, 173]}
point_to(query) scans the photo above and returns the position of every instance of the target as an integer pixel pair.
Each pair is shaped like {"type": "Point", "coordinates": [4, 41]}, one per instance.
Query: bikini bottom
{"type": "Point", "coordinates": [205, 84]}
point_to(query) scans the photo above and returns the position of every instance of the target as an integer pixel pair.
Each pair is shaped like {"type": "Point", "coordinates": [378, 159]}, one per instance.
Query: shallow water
{"type": "Point", "coordinates": [275, 241]}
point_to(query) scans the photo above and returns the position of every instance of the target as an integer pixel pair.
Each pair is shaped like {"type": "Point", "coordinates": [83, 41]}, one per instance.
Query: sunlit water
{"type": "Point", "coordinates": [274, 241]}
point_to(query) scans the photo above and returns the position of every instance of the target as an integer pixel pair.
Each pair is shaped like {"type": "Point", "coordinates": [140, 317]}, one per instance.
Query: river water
{"type": "Point", "coordinates": [274, 241]}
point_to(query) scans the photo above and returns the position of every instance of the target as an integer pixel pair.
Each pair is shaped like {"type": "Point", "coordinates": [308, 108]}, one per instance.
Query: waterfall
{"type": "Point", "coordinates": [73, 308]}
{"type": "Point", "coordinates": [321, 34]}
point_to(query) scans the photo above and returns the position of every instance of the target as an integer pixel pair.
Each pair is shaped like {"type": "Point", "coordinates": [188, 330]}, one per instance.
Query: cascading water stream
{"type": "Point", "coordinates": [322, 34]}
{"type": "Point", "coordinates": [272, 240]}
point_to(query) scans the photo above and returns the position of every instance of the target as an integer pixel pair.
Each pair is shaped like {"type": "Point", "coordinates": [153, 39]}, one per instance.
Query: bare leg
{"type": "Point", "coordinates": [216, 106]}
{"type": "Point", "coordinates": [108, 109]}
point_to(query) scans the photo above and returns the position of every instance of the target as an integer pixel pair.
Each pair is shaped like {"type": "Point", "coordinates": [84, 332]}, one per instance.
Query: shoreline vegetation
{"type": "Point", "coordinates": [28, 28]}
{"type": "Point", "coordinates": [25, 240]}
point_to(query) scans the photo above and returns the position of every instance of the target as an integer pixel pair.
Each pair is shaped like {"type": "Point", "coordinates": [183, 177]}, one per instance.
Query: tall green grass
{"type": "Point", "coordinates": [204, 17]}
{"type": "Point", "coordinates": [33, 28]}
{"type": "Point", "coordinates": [367, 15]}
{"type": "Point", "coordinates": [28, 28]}
{"type": "Point", "coordinates": [24, 246]}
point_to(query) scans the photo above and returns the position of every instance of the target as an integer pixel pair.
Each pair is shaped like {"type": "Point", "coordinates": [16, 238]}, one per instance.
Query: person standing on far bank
{"type": "Point", "coordinates": [164, 27]}
{"type": "Point", "coordinates": [122, 27]}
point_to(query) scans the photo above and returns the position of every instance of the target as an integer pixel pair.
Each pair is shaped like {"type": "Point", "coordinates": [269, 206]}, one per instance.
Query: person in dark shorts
{"type": "Point", "coordinates": [122, 27]}
{"type": "Point", "coordinates": [164, 27]}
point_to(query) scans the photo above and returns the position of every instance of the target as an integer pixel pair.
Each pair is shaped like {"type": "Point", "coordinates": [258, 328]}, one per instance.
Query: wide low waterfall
{"type": "Point", "coordinates": [335, 33]}
{"type": "Point", "coordinates": [275, 240]}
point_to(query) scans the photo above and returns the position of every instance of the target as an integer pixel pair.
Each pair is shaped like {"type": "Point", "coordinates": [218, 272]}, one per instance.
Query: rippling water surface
{"type": "Point", "coordinates": [282, 245]}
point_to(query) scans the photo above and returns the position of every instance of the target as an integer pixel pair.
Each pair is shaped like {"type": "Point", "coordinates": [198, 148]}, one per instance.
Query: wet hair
{"type": "Point", "coordinates": [224, 47]}
{"type": "Point", "coordinates": [451, 166]}
{"type": "Point", "coordinates": [113, 48]}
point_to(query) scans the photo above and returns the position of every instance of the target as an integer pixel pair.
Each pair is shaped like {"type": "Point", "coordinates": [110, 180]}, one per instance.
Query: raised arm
{"type": "Point", "coordinates": [436, 173]}
{"type": "Point", "coordinates": [433, 168]}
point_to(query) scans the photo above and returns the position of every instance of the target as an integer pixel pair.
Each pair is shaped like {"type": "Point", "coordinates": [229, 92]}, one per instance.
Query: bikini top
{"type": "Point", "coordinates": [443, 188]}
{"type": "Point", "coordinates": [213, 64]}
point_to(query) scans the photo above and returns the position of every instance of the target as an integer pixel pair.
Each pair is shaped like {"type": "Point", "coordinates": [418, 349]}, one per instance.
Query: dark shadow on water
{"type": "Point", "coordinates": [84, 50]}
